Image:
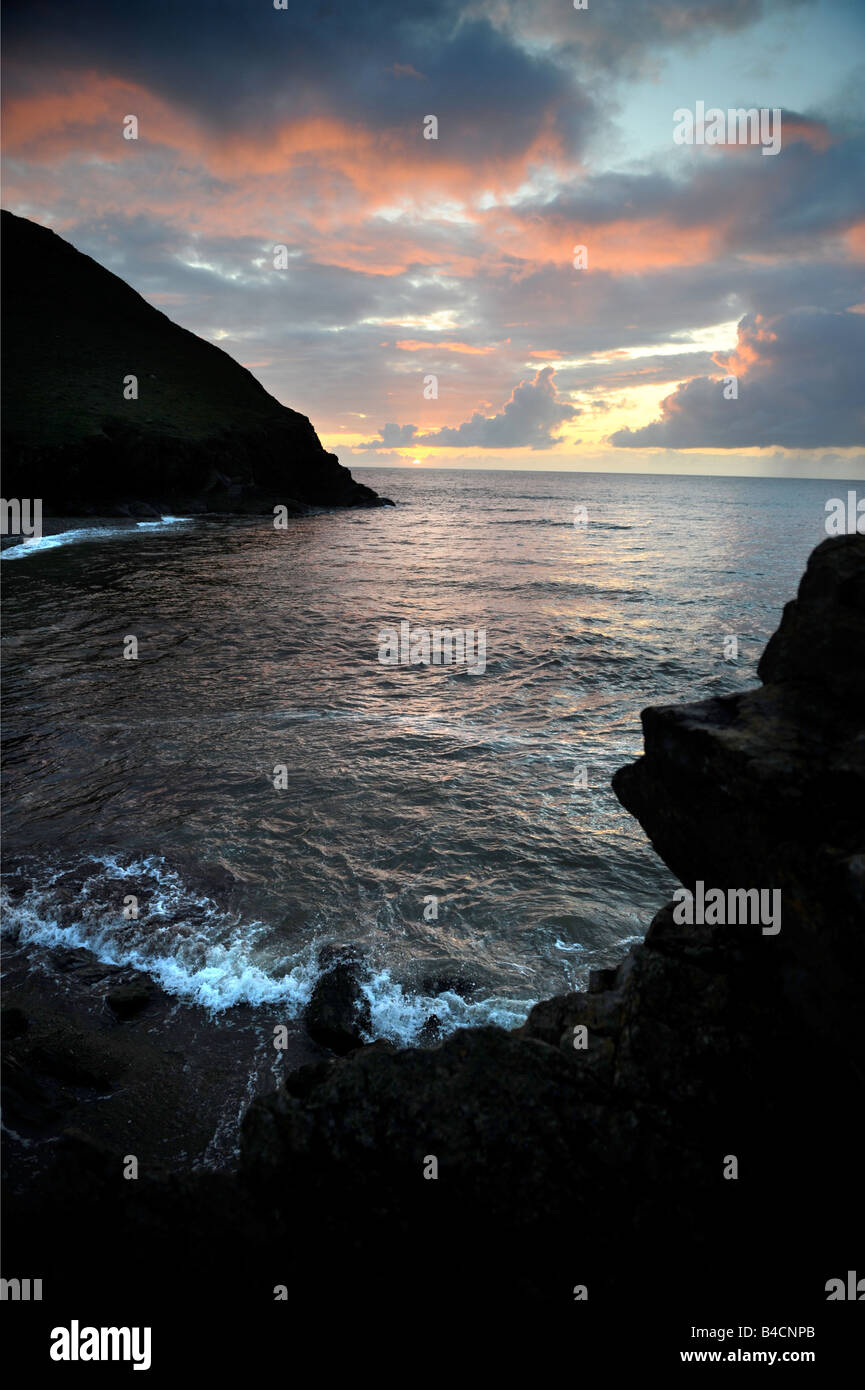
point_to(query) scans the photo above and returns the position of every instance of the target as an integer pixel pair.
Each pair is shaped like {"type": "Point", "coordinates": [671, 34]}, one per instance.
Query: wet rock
{"type": "Point", "coordinates": [74, 1056]}
{"type": "Point", "coordinates": [379, 1114]}
{"type": "Point", "coordinates": [448, 984]}
{"type": "Point", "coordinates": [380, 1045]}
{"type": "Point", "coordinates": [29, 1106]}
{"type": "Point", "coordinates": [430, 1032]}
{"type": "Point", "coordinates": [338, 1013]}
{"type": "Point", "coordinates": [128, 999]}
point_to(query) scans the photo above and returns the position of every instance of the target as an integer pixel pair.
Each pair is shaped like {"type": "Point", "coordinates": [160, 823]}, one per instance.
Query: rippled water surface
{"type": "Point", "coordinates": [259, 647]}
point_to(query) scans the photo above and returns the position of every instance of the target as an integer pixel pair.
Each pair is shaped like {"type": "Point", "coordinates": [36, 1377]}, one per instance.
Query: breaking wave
{"type": "Point", "coordinates": [203, 953]}
{"type": "Point", "coordinates": [37, 545]}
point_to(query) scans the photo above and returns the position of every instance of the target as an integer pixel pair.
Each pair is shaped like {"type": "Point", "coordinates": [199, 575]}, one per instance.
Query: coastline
{"type": "Point", "coordinates": [563, 1168]}
{"type": "Point", "coordinates": [114, 1054]}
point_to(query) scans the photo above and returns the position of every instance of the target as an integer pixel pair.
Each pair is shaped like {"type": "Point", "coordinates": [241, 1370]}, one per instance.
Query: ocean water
{"type": "Point", "coordinates": [428, 814]}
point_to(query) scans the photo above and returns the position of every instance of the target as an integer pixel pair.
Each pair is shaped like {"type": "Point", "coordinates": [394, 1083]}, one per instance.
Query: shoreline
{"type": "Point", "coordinates": [114, 1053]}
{"type": "Point", "coordinates": [643, 1145]}
{"type": "Point", "coordinates": [138, 518]}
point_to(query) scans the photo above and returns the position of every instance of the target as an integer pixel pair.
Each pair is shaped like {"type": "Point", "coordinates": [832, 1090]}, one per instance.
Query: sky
{"type": "Point", "coordinates": [423, 300]}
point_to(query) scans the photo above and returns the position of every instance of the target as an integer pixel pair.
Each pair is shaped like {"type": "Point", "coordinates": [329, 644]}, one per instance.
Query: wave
{"type": "Point", "coordinates": [575, 587]}
{"type": "Point", "coordinates": [202, 953]}
{"type": "Point", "coordinates": [37, 544]}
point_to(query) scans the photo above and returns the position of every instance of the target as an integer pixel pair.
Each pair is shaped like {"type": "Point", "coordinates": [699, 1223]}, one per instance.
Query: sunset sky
{"type": "Point", "coordinates": [409, 257]}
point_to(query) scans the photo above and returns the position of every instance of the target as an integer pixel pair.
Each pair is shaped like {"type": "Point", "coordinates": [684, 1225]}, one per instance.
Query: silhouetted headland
{"type": "Point", "coordinates": [194, 432]}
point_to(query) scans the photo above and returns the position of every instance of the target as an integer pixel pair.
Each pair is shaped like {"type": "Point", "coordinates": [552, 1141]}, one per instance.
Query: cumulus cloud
{"type": "Point", "coordinates": [392, 436]}
{"type": "Point", "coordinates": [530, 419]}
{"type": "Point", "coordinates": [799, 386]}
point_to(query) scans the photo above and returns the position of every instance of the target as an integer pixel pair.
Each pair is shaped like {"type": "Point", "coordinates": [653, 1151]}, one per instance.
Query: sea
{"type": "Point", "coordinates": [247, 780]}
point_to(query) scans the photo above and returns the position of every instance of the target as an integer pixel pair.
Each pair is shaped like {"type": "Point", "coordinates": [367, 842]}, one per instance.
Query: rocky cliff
{"type": "Point", "coordinates": [202, 434]}
{"type": "Point", "coordinates": [696, 1156]}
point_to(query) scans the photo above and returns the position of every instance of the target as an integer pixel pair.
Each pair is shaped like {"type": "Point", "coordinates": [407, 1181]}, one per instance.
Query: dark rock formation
{"type": "Point", "coordinates": [706, 1042]}
{"type": "Point", "coordinates": [337, 1016]}
{"type": "Point", "coordinates": [13, 1023]}
{"type": "Point", "coordinates": [566, 1157]}
{"type": "Point", "coordinates": [203, 435]}
{"type": "Point", "coordinates": [430, 1032]}
{"type": "Point", "coordinates": [129, 998]}
{"type": "Point", "coordinates": [767, 789]}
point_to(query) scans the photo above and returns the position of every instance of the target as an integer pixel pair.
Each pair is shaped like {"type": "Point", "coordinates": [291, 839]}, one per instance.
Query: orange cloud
{"type": "Point", "coordinates": [88, 119]}
{"type": "Point", "coordinates": [854, 241]}
{"type": "Point", "coordinates": [418, 345]}
{"type": "Point", "coordinates": [745, 355]}
{"type": "Point", "coordinates": [621, 246]}
{"type": "Point", "coordinates": [799, 129]}
{"type": "Point", "coordinates": [82, 114]}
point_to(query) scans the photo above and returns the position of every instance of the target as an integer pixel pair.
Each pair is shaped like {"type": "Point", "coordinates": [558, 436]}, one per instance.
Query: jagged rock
{"type": "Point", "coordinates": [430, 1032]}
{"type": "Point", "coordinates": [766, 789]}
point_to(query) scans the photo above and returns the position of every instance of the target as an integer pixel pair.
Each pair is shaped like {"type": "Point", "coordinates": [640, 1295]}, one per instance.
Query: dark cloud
{"type": "Point", "coordinates": [391, 436]}
{"type": "Point", "coordinates": [241, 66]}
{"type": "Point", "coordinates": [812, 189]}
{"type": "Point", "coordinates": [800, 388]}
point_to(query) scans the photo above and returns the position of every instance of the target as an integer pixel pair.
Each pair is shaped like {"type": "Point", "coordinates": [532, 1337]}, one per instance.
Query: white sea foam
{"type": "Point", "coordinates": [35, 545]}
{"type": "Point", "coordinates": [201, 954]}
{"type": "Point", "coordinates": [185, 941]}
{"type": "Point", "coordinates": [399, 1015]}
